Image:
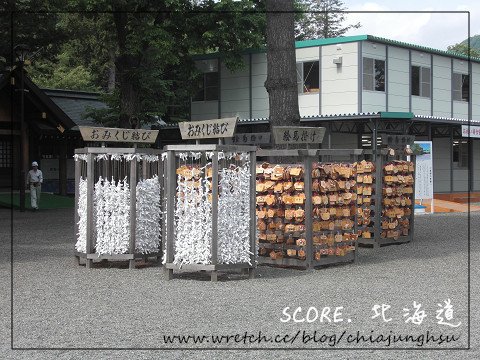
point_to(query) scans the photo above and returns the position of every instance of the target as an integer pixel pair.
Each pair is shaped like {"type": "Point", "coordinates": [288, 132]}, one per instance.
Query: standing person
{"type": "Point", "coordinates": [34, 180]}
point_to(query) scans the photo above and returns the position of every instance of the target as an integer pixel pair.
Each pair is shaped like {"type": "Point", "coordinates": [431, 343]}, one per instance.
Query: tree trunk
{"type": "Point", "coordinates": [281, 83]}
{"type": "Point", "coordinates": [125, 63]}
{"type": "Point", "coordinates": [111, 71]}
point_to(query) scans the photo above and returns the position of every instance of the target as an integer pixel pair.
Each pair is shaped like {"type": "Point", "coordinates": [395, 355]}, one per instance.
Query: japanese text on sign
{"type": "Point", "coordinates": [472, 131]}
{"type": "Point", "coordinates": [250, 139]}
{"type": "Point", "coordinates": [208, 129]}
{"type": "Point", "coordinates": [103, 134]}
{"type": "Point", "coordinates": [424, 170]}
{"type": "Point", "coordinates": [298, 135]}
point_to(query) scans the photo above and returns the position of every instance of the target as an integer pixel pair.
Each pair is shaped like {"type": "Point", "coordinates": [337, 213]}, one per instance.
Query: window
{"type": "Point", "coordinates": [308, 77]}
{"type": "Point", "coordinates": [460, 153]}
{"type": "Point", "coordinates": [5, 154]}
{"type": "Point", "coordinates": [420, 81]}
{"type": "Point", "coordinates": [373, 74]}
{"type": "Point", "coordinates": [207, 89]}
{"type": "Point", "coordinates": [461, 87]}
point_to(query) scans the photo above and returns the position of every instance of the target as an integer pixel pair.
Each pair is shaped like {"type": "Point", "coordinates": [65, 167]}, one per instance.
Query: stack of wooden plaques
{"type": "Point", "coordinates": [397, 199]}
{"type": "Point", "coordinates": [365, 198]}
{"type": "Point", "coordinates": [281, 211]}
{"type": "Point", "coordinates": [333, 199]}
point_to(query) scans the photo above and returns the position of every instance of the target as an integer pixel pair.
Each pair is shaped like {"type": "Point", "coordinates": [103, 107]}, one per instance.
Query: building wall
{"type": "Point", "coordinates": [5, 106]}
{"type": "Point", "coordinates": [476, 164]}
{"type": "Point", "coordinates": [421, 105]}
{"type": "Point", "coordinates": [235, 91]}
{"type": "Point", "coordinates": [373, 101]}
{"type": "Point", "coordinates": [441, 164]}
{"type": "Point", "coordinates": [460, 108]}
{"type": "Point", "coordinates": [398, 77]}
{"type": "Point", "coordinates": [339, 94]}
{"type": "Point", "coordinates": [259, 93]}
{"type": "Point", "coordinates": [308, 103]}
{"type": "Point", "coordinates": [475, 91]}
{"type": "Point", "coordinates": [340, 84]}
{"type": "Point", "coordinates": [343, 141]}
{"type": "Point", "coordinates": [442, 86]}
{"type": "Point", "coordinates": [339, 87]}
{"type": "Point", "coordinates": [203, 110]}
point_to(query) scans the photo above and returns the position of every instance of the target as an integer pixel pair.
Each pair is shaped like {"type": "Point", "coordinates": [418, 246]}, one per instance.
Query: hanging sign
{"type": "Point", "coordinates": [424, 170]}
{"type": "Point", "coordinates": [298, 135]}
{"type": "Point", "coordinates": [397, 142]}
{"type": "Point", "coordinates": [208, 129]}
{"type": "Point", "coordinates": [471, 131]}
{"type": "Point", "coordinates": [249, 139]}
{"type": "Point", "coordinates": [103, 134]}
{"type": "Point", "coordinates": [50, 169]}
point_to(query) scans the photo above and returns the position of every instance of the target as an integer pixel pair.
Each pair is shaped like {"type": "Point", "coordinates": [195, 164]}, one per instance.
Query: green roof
{"type": "Point", "coordinates": [420, 48]}
{"type": "Point", "coordinates": [329, 41]}
{"type": "Point", "coordinates": [396, 115]}
{"type": "Point", "coordinates": [356, 38]}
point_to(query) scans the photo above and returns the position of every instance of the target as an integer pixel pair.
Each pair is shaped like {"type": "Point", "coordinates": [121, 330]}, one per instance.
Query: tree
{"type": "Point", "coordinates": [462, 48]}
{"type": "Point", "coordinates": [281, 83]}
{"type": "Point", "coordinates": [154, 42]}
{"type": "Point", "coordinates": [138, 52]}
{"type": "Point", "coordinates": [38, 30]}
{"type": "Point", "coordinates": [322, 19]}
{"type": "Point", "coordinates": [61, 74]}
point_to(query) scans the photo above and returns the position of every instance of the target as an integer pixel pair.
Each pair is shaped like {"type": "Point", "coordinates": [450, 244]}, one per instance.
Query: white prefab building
{"type": "Point", "coordinates": [359, 87]}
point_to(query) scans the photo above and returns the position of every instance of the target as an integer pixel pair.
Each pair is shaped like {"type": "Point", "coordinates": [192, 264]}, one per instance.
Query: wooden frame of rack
{"type": "Point", "coordinates": [307, 157]}
{"type": "Point", "coordinates": [380, 158]}
{"type": "Point", "coordinates": [91, 170]}
{"type": "Point", "coordinates": [168, 230]}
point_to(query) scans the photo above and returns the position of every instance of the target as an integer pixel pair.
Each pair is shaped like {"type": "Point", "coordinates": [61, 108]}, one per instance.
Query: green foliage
{"type": "Point", "coordinates": [417, 149]}
{"type": "Point", "coordinates": [139, 53]}
{"type": "Point", "coordinates": [36, 28]}
{"type": "Point", "coordinates": [62, 74]}
{"type": "Point", "coordinates": [462, 48]}
{"type": "Point", "coordinates": [326, 19]}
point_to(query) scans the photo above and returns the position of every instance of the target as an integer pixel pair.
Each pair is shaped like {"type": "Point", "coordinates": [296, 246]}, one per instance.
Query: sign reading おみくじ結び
{"type": "Point", "coordinates": [104, 134]}
{"type": "Point", "coordinates": [208, 129]}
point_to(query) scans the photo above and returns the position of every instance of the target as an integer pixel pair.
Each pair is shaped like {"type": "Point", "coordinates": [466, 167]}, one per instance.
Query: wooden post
{"type": "Point", "coordinates": [170, 188]}
{"type": "Point", "coordinates": [308, 210]}
{"type": "Point", "coordinates": [214, 240]}
{"type": "Point", "coordinates": [412, 215]}
{"type": "Point", "coordinates": [253, 213]}
{"type": "Point", "coordinates": [78, 173]}
{"type": "Point", "coordinates": [133, 209]}
{"type": "Point", "coordinates": [144, 168]}
{"type": "Point", "coordinates": [90, 225]}
{"type": "Point", "coordinates": [160, 173]}
{"type": "Point", "coordinates": [378, 196]}
{"type": "Point", "coordinates": [62, 166]}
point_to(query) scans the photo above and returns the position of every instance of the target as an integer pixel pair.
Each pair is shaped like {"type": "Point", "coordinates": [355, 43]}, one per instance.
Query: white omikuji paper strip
{"type": "Point", "coordinates": [81, 245]}
{"type": "Point", "coordinates": [111, 212]}
{"type": "Point", "coordinates": [112, 220]}
{"type": "Point", "coordinates": [193, 218]}
{"type": "Point", "coordinates": [148, 225]}
{"type": "Point", "coordinates": [193, 224]}
{"type": "Point", "coordinates": [234, 216]}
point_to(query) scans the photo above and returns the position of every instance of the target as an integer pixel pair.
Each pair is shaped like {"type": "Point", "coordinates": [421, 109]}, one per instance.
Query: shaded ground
{"type": "Point", "coordinates": [60, 304]}
{"type": "Point", "coordinates": [47, 201]}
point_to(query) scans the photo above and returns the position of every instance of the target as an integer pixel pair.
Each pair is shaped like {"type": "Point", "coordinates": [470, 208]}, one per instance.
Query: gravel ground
{"type": "Point", "coordinates": [60, 304]}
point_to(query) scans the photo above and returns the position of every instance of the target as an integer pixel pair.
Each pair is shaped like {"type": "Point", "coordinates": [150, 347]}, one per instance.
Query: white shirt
{"type": "Point", "coordinates": [34, 176]}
